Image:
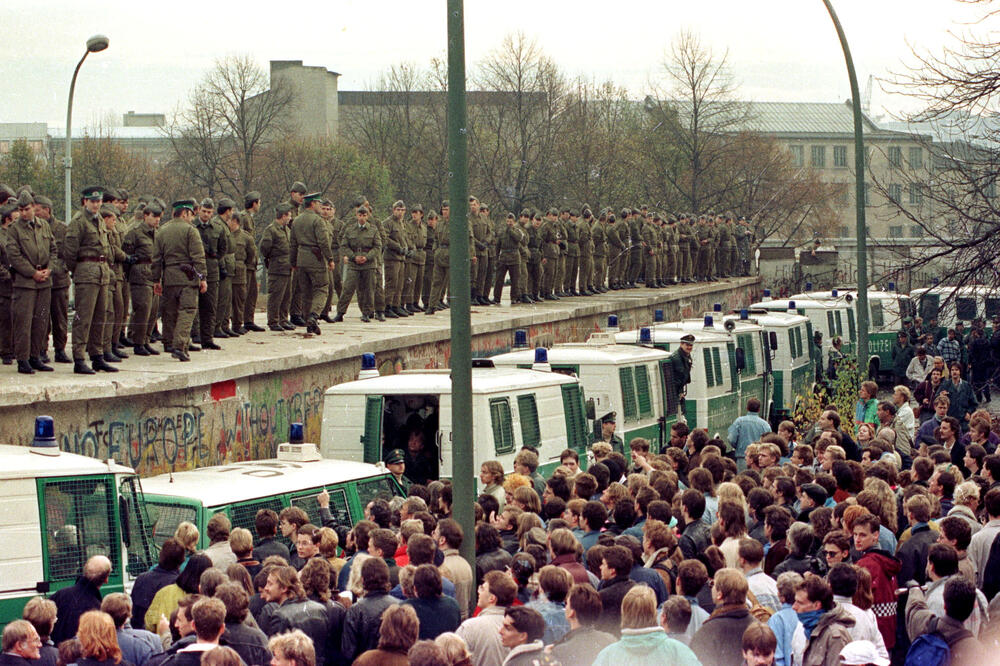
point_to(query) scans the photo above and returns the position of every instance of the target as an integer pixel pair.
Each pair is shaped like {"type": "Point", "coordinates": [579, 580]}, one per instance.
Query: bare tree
{"type": "Point", "coordinates": [693, 113]}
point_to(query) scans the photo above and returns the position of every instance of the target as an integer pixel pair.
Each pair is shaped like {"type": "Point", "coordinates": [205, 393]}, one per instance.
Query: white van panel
{"type": "Point", "coordinates": [21, 565]}
{"type": "Point", "coordinates": [341, 432]}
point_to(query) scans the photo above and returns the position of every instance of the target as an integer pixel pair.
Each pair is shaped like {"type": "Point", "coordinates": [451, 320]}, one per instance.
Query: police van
{"type": "Point", "coordinates": [886, 310]}
{"type": "Point", "coordinates": [793, 368]}
{"type": "Point", "coordinates": [241, 489]}
{"type": "Point", "coordinates": [60, 510]}
{"type": "Point", "coordinates": [365, 419]}
{"type": "Point", "coordinates": [829, 318]}
{"type": "Point", "coordinates": [634, 382]}
{"type": "Point", "coordinates": [950, 305]}
{"type": "Point", "coordinates": [711, 400]}
{"type": "Point", "coordinates": [752, 357]}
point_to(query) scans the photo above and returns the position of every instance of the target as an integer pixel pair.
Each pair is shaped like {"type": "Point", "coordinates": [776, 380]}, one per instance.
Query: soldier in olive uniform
{"type": "Point", "coordinates": [672, 239]}
{"type": "Point", "coordinates": [585, 269]}
{"type": "Point", "coordinates": [727, 247]}
{"type": "Point", "coordinates": [296, 194]}
{"type": "Point", "coordinates": [30, 247]}
{"type": "Point", "coordinates": [8, 212]}
{"type": "Point", "coordinates": [138, 248]}
{"type": "Point", "coordinates": [442, 262]}
{"type": "Point", "coordinates": [361, 248]}
{"type": "Point", "coordinates": [615, 250]}
{"type": "Point", "coordinates": [428, 271]}
{"type": "Point", "coordinates": [416, 262]}
{"type": "Point", "coordinates": [336, 282]}
{"type": "Point", "coordinates": [704, 235]}
{"type": "Point", "coordinates": [488, 263]}
{"type": "Point", "coordinates": [692, 245]}
{"type": "Point", "coordinates": [394, 253]}
{"type": "Point", "coordinates": [572, 254]}
{"type": "Point", "coordinates": [227, 267]}
{"type": "Point", "coordinates": [248, 222]}
{"type": "Point", "coordinates": [114, 319]}
{"type": "Point", "coordinates": [549, 237]}
{"type": "Point", "coordinates": [245, 256]}
{"type": "Point", "coordinates": [214, 249]}
{"type": "Point", "coordinates": [121, 228]}
{"type": "Point", "coordinates": [743, 234]}
{"type": "Point", "coordinates": [648, 242]}
{"type": "Point", "coordinates": [85, 251]}
{"type": "Point", "coordinates": [59, 303]}
{"type": "Point", "coordinates": [528, 284]}
{"type": "Point", "coordinates": [179, 269]}
{"type": "Point", "coordinates": [599, 239]}
{"type": "Point", "coordinates": [312, 257]}
{"type": "Point", "coordinates": [478, 249]}
{"type": "Point", "coordinates": [276, 255]}
{"type": "Point", "coordinates": [509, 261]}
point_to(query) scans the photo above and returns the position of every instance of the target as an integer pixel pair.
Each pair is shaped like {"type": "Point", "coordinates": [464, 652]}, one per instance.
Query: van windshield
{"type": "Point", "coordinates": [79, 520]}
{"type": "Point", "coordinates": [166, 516]}
{"type": "Point", "coordinates": [378, 488]}
{"type": "Point", "coordinates": [410, 423]}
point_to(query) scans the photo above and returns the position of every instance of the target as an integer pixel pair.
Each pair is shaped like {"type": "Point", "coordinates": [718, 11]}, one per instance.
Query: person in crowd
{"type": "Point", "coordinates": [398, 631]}
{"type": "Point", "coordinates": [84, 595]}
{"type": "Point", "coordinates": [715, 642]}
{"type": "Point", "coordinates": [41, 613]}
{"type": "Point", "coordinates": [98, 641]}
{"type": "Point", "coordinates": [482, 632]}
{"type": "Point", "coordinates": [643, 640]}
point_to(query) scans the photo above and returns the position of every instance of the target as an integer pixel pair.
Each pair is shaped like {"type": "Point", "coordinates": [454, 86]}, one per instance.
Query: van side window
{"type": "Point", "coordinates": [645, 400]}
{"type": "Point", "coordinates": [338, 507]}
{"type": "Point", "coordinates": [965, 309]}
{"type": "Point", "coordinates": [745, 343]}
{"type": "Point", "coordinates": [79, 514]}
{"type": "Point", "coordinates": [242, 514]}
{"type": "Point", "coordinates": [992, 307]}
{"type": "Point", "coordinates": [840, 323]}
{"type": "Point", "coordinates": [798, 341]}
{"type": "Point", "coordinates": [527, 413]}
{"type": "Point", "coordinates": [503, 429]}
{"type": "Point", "coordinates": [878, 316]}
{"type": "Point", "coordinates": [791, 343]}
{"type": "Point", "coordinates": [709, 374]}
{"type": "Point", "coordinates": [135, 523]}
{"type": "Point", "coordinates": [629, 403]}
{"type": "Point", "coordinates": [165, 517]}
{"type": "Point", "coordinates": [929, 306]}
{"type": "Point", "coordinates": [830, 326]}
{"type": "Point", "coordinates": [576, 421]}
{"type": "Point", "coordinates": [380, 487]}
{"type": "Point", "coordinates": [717, 361]}
{"type": "Point", "coordinates": [851, 330]}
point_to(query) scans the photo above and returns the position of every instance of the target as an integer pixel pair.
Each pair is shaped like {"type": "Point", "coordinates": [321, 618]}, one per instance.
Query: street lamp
{"type": "Point", "coordinates": [94, 44]}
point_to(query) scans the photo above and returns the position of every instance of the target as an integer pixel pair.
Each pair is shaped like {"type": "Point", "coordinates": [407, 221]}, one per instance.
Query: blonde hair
{"type": "Point", "coordinates": [639, 608]}
{"type": "Point", "coordinates": [455, 648]}
{"type": "Point", "coordinates": [241, 541]}
{"type": "Point", "coordinates": [187, 534]}
{"type": "Point", "coordinates": [730, 492]}
{"type": "Point", "coordinates": [514, 481]}
{"type": "Point", "coordinates": [294, 646]}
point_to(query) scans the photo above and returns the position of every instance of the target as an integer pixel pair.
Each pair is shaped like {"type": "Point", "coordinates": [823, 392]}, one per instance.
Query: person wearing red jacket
{"type": "Point", "coordinates": [883, 567]}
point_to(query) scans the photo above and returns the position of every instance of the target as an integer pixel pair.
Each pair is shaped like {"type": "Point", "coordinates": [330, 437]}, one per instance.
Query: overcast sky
{"type": "Point", "coordinates": [779, 50]}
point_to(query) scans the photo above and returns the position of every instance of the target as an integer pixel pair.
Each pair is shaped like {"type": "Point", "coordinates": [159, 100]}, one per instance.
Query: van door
{"type": "Point", "coordinates": [140, 555]}
{"type": "Point", "coordinates": [527, 414]}
{"type": "Point", "coordinates": [576, 418]}
{"type": "Point", "coordinates": [371, 439]}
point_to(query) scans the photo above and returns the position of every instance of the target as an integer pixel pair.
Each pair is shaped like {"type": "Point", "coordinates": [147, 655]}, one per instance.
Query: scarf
{"type": "Point", "coordinates": [810, 619]}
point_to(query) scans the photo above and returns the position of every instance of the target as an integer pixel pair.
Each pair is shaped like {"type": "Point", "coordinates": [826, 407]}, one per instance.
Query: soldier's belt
{"type": "Point", "coordinates": [96, 260]}
{"type": "Point", "coordinates": [142, 261]}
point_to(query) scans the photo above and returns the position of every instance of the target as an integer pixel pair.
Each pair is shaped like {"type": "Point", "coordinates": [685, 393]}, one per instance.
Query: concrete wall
{"type": "Point", "coordinates": [208, 417]}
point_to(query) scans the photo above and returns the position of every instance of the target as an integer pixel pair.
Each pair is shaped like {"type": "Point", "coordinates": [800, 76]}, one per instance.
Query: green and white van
{"type": "Point", "coordinates": [712, 397]}
{"type": "Point", "coordinates": [363, 420]}
{"type": "Point", "coordinates": [830, 318]}
{"type": "Point", "coordinates": [61, 509]}
{"type": "Point", "coordinates": [240, 489]}
{"type": "Point", "coordinates": [635, 382]}
{"type": "Point", "coordinates": [793, 369]}
{"type": "Point", "coordinates": [950, 305]}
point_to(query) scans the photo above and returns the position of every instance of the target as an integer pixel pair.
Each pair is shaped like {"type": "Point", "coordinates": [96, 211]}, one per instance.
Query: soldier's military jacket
{"type": "Point", "coordinates": [138, 246]}
{"type": "Point", "coordinates": [509, 240]}
{"type": "Point", "coordinates": [599, 238]}
{"type": "Point", "coordinates": [309, 242]}
{"type": "Point", "coordinates": [357, 240]}
{"type": "Point", "coordinates": [228, 256]}
{"type": "Point", "coordinates": [572, 239]}
{"type": "Point", "coordinates": [177, 244]}
{"type": "Point", "coordinates": [394, 241]}
{"type": "Point", "coordinates": [275, 249]}
{"type": "Point", "coordinates": [29, 246]}
{"type": "Point", "coordinates": [60, 276]}
{"type": "Point", "coordinates": [87, 238]}
{"type": "Point", "coordinates": [244, 254]}
{"type": "Point", "coordinates": [551, 236]}
{"type": "Point", "coordinates": [480, 235]}
{"type": "Point", "coordinates": [417, 240]}
{"type": "Point", "coordinates": [214, 248]}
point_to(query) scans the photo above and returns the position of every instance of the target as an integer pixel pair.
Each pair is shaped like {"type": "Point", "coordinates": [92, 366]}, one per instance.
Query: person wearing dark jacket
{"type": "Point", "coordinates": [361, 625]}
{"type": "Point", "coordinates": [799, 559]}
{"type": "Point", "coordinates": [616, 563]}
{"type": "Point", "coordinates": [963, 401]}
{"type": "Point", "coordinates": [959, 602]}
{"type": "Point", "coordinates": [583, 641]}
{"type": "Point", "coordinates": [265, 523]}
{"type": "Point", "coordinates": [681, 362]}
{"type": "Point", "coordinates": [294, 610]}
{"type": "Point", "coordinates": [41, 613]}
{"type": "Point", "coordinates": [902, 354]}
{"type": "Point", "coordinates": [315, 577]}
{"type": "Point", "coordinates": [82, 596]}
{"type": "Point", "coordinates": [777, 520]}
{"type": "Point", "coordinates": [883, 568]}
{"type": "Point", "coordinates": [21, 645]}
{"type": "Point", "coordinates": [490, 556]}
{"type": "Point", "coordinates": [912, 553]}
{"type": "Point", "coordinates": [716, 642]}
{"type": "Point", "coordinates": [150, 582]}
{"type": "Point", "coordinates": [209, 618]}
{"type": "Point", "coordinates": [248, 642]}
{"type": "Point", "coordinates": [696, 536]}
{"type": "Point", "coordinates": [437, 613]}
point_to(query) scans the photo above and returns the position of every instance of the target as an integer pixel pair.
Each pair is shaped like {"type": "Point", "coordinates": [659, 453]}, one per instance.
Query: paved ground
{"type": "Point", "coordinates": [271, 351]}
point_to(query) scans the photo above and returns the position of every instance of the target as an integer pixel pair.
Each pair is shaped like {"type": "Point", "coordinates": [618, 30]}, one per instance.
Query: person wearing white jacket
{"type": "Point", "coordinates": [843, 579]}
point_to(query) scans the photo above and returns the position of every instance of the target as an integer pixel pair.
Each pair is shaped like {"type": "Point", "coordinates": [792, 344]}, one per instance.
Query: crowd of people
{"type": "Point", "coordinates": [186, 273]}
{"type": "Point", "coordinates": [854, 542]}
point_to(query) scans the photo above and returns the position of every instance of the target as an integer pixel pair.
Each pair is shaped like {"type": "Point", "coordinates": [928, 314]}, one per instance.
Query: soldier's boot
{"type": "Point", "coordinates": [402, 312]}
{"type": "Point", "coordinates": [312, 326]}
{"type": "Point", "coordinates": [124, 341]}
{"type": "Point", "coordinates": [180, 355]}
{"type": "Point", "coordinates": [297, 320]}
{"type": "Point", "coordinates": [39, 365]}
{"type": "Point", "coordinates": [154, 335]}
{"type": "Point", "coordinates": [380, 317]}
{"type": "Point", "coordinates": [388, 313]}
{"type": "Point", "coordinates": [80, 367]}
{"type": "Point", "coordinates": [338, 318]}
{"type": "Point", "coordinates": [111, 357]}
{"type": "Point", "coordinates": [97, 362]}
{"type": "Point", "coordinates": [151, 351]}
{"type": "Point", "coordinates": [61, 356]}
{"type": "Point", "coordinates": [118, 351]}
{"type": "Point", "coordinates": [140, 350]}
{"type": "Point", "coordinates": [24, 367]}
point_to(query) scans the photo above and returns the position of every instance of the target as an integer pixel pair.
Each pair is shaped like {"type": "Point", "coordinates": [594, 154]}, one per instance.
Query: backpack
{"type": "Point", "coordinates": [931, 649]}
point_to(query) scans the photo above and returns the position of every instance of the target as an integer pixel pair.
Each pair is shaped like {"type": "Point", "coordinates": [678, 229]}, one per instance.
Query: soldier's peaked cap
{"type": "Point", "coordinates": [25, 199]}
{"type": "Point", "coordinates": [190, 204]}
{"type": "Point", "coordinates": [687, 338]}
{"type": "Point", "coordinates": [313, 196]}
{"type": "Point", "coordinates": [298, 186]}
{"type": "Point", "coordinates": [282, 209]}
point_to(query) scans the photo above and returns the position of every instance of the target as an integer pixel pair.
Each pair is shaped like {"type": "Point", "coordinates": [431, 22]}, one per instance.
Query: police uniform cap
{"type": "Point", "coordinates": [416, 208]}
{"type": "Point", "coordinates": [328, 202]}
{"type": "Point", "coordinates": [140, 208]}
{"type": "Point", "coordinates": [399, 204]}
{"type": "Point", "coordinates": [626, 212]}
{"type": "Point", "coordinates": [43, 201]}
{"type": "Point", "coordinates": [357, 201]}
{"type": "Point", "coordinates": [6, 210]}
{"type": "Point", "coordinates": [565, 209]}
{"type": "Point", "coordinates": [313, 196]}
{"type": "Point", "coordinates": [298, 187]}
{"type": "Point", "coordinates": [363, 209]}
{"type": "Point", "coordinates": [107, 210]}
{"type": "Point", "coordinates": [472, 198]}
{"type": "Point", "coordinates": [553, 211]}
{"type": "Point", "coordinates": [395, 457]}
{"type": "Point", "coordinates": [250, 197]}
{"type": "Point", "coordinates": [484, 206]}
{"type": "Point", "coordinates": [610, 417]}
{"type": "Point", "coordinates": [432, 214]}
{"type": "Point", "coordinates": [657, 218]}
{"type": "Point", "coordinates": [207, 203]}
{"type": "Point", "coordinates": [688, 339]}
{"type": "Point", "coordinates": [611, 217]}
{"type": "Point", "coordinates": [282, 209]}
{"type": "Point", "coordinates": [907, 320]}
{"type": "Point", "coordinates": [160, 202]}
{"type": "Point", "coordinates": [445, 204]}
{"type": "Point", "coordinates": [510, 216]}
{"type": "Point", "coordinates": [25, 188]}
{"type": "Point", "coordinates": [25, 199]}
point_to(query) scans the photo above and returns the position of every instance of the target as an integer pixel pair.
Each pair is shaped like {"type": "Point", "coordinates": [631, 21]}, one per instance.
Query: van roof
{"type": "Point", "coordinates": [769, 319]}
{"type": "Point", "coordinates": [781, 304]}
{"type": "Point", "coordinates": [586, 354]}
{"type": "Point", "coordinates": [717, 323]}
{"type": "Point", "coordinates": [484, 380]}
{"type": "Point", "coordinates": [237, 482]}
{"type": "Point", "coordinates": [20, 462]}
{"type": "Point", "coordinates": [660, 334]}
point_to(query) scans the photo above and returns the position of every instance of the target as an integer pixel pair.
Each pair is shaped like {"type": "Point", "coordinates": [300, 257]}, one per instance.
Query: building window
{"type": "Point", "coordinates": [916, 158]}
{"type": "Point", "coordinates": [817, 157]}
{"type": "Point", "coordinates": [916, 193]}
{"type": "Point", "coordinates": [916, 231]}
{"type": "Point", "coordinates": [840, 156]}
{"type": "Point", "coordinates": [896, 231]}
{"type": "Point", "coordinates": [798, 155]}
{"type": "Point", "coordinates": [843, 231]}
{"type": "Point", "coordinates": [844, 195]}
{"type": "Point", "coordinates": [895, 193]}
{"type": "Point", "coordinates": [895, 156]}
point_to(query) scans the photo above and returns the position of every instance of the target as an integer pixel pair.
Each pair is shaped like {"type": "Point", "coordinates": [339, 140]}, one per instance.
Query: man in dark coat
{"type": "Point", "coordinates": [680, 363]}
{"type": "Point", "coordinates": [21, 644]}
{"type": "Point", "coordinates": [912, 553]}
{"type": "Point", "coordinates": [616, 563]}
{"type": "Point", "coordinates": [164, 573]}
{"type": "Point", "coordinates": [82, 596]}
{"type": "Point", "coordinates": [715, 642]}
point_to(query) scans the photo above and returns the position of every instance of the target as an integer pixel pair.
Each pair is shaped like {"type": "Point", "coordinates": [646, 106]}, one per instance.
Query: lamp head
{"type": "Point", "coordinates": [97, 43]}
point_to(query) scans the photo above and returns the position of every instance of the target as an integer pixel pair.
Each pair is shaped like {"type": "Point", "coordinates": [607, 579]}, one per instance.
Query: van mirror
{"type": "Point", "coordinates": [773, 340]}
{"type": "Point", "coordinates": [741, 359]}
{"type": "Point", "coordinates": [591, 410]}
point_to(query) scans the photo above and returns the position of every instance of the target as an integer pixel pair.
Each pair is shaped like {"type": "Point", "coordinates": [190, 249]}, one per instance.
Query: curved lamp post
{"type": "Point", "coordinates": [94, 44]}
